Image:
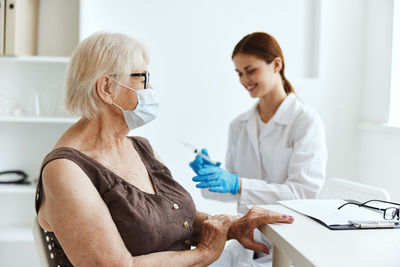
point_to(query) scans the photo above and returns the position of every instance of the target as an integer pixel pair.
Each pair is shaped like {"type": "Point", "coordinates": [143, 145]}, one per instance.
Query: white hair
{"type": "Point", "coordinates": [102, 53]}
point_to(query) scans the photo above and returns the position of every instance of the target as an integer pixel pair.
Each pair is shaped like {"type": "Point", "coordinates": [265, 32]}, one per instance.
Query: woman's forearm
{"type": "Point", "coordinates": [196, 257]}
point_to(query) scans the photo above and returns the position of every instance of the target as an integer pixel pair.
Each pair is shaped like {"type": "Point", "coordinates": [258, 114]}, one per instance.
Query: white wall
{"type": "Point", "coordinates": [190, 44]}
{"type": "Point", "coordinates": [379, 158]}
{"type": "Point", "coordinates": [341, 72]}
{"type": "Point", "coordinates": [378, 52]}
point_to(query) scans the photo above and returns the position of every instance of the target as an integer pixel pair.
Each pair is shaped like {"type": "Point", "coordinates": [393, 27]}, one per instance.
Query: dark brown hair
{"type": "Point", "coordinates": [265, 47]}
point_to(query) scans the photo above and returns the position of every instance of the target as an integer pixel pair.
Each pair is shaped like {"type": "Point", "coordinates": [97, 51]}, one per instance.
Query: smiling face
{"type": "Point", "coordinates": [256, 75]}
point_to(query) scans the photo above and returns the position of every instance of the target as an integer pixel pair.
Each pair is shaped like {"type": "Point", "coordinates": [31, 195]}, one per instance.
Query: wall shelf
{"type": "Point", "coordinates": [378, 128]}
{"type": "Point", "coordinates": [27, 82]}
{"type": "Point", "coordinates": [38, 119]}
{"type": "Point", "coordinates": [17, 189]}
{"type": "Point", "coordinates": [16, 234]}
{"type": "Point", "coordinates": [33, 59]}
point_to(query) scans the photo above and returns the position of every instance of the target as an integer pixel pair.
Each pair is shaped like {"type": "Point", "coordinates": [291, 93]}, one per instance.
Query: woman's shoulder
{"type": "Point", "coordinates": [62, 162]}
{"type": "Point", "coordinates": [63, 151]}
{"type": "Point", "coordinates": [59, 171]}
{"type": "Point", "coordinates": [306, 114]}
{"type": "Point", "coordinates": [66, 160]}
{"type": "Point", "coordinates": [143, 144]}
{"type": "Point", "coordinates": [60, 166]}
{"type": "Point", "coordinates": [140, 139]}
{"type": "Point", "coordinates": [243, 117]}
{"type": "Point", "coordinates": [307, 119]}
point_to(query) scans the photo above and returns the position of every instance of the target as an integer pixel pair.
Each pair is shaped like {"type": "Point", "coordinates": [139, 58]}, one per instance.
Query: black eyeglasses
{"type": "Point", "coordinates": [388, 213]}
{"type": "Point", "coordinates": [146, 76]}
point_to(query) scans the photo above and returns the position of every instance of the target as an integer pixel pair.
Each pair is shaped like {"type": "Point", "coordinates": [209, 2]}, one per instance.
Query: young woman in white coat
{"type": "Point", "coordinates": [277, 149]}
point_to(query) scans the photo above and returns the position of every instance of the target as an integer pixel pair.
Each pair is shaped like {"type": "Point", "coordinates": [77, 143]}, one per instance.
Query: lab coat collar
{"type": "Point", "coordinates": [287, 110]}
{"type": "Point", "coordinates": [284, 114]}
{"type": "Point", "coordinates": [247, 115]}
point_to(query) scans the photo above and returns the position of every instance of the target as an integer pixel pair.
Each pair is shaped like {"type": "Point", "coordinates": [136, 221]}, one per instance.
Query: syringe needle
{"type": "Point", "coordinates": [198, 152]}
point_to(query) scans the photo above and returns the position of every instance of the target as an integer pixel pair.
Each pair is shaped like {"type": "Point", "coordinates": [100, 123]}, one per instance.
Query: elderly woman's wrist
{"type": "Point", "coordinates": [231, 232]}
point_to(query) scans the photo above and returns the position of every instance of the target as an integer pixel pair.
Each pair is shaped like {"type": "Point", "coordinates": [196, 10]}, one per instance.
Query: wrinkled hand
{"type": "Point", "coordinates": [243, 228]}
{"type": "Point", "coordinates": [217, 180]}
{"type": "Point", "coordinates": [214, 234]}
{"type": "Point", "coordinates": [199, 163]}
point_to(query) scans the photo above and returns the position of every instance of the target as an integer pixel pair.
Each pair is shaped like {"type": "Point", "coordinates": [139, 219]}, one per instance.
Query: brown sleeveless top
{"type": "Point", "coordinates": [147, 222]}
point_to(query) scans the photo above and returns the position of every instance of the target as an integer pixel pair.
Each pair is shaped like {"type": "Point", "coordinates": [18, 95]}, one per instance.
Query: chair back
{"type": "Point", "coordinates": [338, 188]}
{"type": "Point", "coordinates": [43, 247]}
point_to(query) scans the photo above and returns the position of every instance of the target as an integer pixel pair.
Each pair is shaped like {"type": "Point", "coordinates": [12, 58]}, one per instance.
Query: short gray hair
{"type": "Point", "coordinates": [99, 54]}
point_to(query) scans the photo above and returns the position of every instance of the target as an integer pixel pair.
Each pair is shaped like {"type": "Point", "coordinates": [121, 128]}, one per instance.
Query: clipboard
{"type": "Point", "coordinates": [357, 226]}
{"type": "Point", "coordinates": [325, 212]}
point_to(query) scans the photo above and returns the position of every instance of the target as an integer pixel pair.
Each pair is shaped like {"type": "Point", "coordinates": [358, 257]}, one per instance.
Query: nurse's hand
{"type": "Point", "coordinates": [217, 180]}
{"type": "Point", "coordinates": [243, 228]}
{"type": "Point", "coordinates": [199, 163]}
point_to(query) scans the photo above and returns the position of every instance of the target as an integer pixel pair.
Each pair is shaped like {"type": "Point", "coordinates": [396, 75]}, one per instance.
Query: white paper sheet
{"type": "Point", "coordinates": [326, 210]}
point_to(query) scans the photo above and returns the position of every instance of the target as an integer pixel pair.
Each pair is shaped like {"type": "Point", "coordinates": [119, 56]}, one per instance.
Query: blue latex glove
{"type": "Point", "coordinates": [217, 180]}
{"type": "Point", "coordinates": [199, 163]}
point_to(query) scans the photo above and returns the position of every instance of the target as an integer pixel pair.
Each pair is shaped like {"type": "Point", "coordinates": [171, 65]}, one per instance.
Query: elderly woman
{"type": "Point", "coordinates": [105, 199]}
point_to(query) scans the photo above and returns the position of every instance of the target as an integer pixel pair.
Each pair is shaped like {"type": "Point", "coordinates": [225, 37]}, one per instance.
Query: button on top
{"type": "Point", "coordinates": [175, 206]}
{"type": "Point", "coordinates": [186, 224]}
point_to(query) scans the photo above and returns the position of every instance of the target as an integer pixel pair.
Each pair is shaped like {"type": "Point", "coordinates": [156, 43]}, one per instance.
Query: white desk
{"type": "Point", "coordinates": [308, 243]}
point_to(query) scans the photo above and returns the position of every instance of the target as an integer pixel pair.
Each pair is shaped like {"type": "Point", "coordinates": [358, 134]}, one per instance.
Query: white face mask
{"type": "Point", "coordinates": [146, 110]}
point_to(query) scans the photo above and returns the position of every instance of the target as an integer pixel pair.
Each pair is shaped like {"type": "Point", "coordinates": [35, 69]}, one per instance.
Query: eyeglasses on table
{"type": "Point", "coordinates": [388, 213]}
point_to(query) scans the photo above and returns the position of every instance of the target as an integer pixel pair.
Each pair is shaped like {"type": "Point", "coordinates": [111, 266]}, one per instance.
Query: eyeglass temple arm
{"type": "Point", "coordinates": [384, 201]}
{"type": "Point", "coordinates": [360, 205]}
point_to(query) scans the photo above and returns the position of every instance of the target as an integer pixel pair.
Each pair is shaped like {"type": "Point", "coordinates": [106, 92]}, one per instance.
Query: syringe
{"type": "Point", "coordinates": [198, 152]}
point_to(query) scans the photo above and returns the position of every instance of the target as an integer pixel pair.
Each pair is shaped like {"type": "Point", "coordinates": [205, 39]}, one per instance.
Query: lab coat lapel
{"type": "Point", "coordinates": [253, 139]}
{"type": "Point", "coordinates": [285, 113]}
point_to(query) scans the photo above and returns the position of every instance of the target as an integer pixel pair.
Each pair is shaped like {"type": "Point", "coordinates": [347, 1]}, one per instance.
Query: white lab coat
{"type": "Point", "coordinates": [287, 160]}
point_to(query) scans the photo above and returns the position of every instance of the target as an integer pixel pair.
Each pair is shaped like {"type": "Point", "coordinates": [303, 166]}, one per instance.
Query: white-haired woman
{"type": "Point", "coordinates": [103, 199]}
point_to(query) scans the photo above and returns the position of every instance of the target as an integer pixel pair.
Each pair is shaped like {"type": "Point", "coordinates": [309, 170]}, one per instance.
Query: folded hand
{"type": "Point", "coordinates": [243, 228]}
